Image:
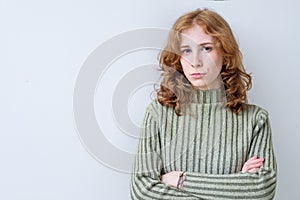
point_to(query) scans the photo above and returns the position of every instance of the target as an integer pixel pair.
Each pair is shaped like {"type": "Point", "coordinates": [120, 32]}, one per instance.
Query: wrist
{"type": "Point", "coordinates": [180, 180]}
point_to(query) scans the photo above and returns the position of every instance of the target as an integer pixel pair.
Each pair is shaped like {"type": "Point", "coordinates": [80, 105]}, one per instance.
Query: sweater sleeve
{"type": "Point", "coordinates": [260, 185]}
{"type": "Point", "coordinates": [145, 179]}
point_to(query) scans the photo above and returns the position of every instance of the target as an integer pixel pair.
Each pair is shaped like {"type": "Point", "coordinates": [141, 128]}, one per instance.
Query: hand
{"type": "Point", "coordinates": [171, 178]}
{"type": "Point", "coordinates": [253, 164]}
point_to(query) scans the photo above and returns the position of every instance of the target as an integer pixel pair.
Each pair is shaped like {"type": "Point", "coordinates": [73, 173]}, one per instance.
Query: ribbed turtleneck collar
{"type": "Point", "coordinates": [209, 96]}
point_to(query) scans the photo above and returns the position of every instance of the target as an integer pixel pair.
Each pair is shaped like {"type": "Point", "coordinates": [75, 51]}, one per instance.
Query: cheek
{"type": "Point", "coordinates": [217, 63]}
{"type": "Point", "coordinates": [185, 65]}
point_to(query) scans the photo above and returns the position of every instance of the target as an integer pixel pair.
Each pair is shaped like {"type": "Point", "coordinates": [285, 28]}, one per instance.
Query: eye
{"type": "Point", "coordinates": [186, 51]}
{"type": "Point", "coordinates": [207, 49]}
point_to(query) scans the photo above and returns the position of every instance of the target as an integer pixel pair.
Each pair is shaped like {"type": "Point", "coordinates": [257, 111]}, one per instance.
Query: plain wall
{"type": "Point", "coordinates": [43, 45]}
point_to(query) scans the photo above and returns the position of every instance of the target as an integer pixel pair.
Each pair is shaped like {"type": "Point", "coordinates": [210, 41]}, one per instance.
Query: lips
{"type": "Point", "coordinates": [198, 75]}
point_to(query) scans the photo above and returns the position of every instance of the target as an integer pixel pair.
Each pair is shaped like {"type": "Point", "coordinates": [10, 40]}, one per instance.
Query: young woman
{"type": "Point", "coordinates": [200, 139]}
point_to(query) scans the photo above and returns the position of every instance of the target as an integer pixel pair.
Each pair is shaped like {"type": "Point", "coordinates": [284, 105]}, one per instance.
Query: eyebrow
{"type": "Point", "coordinates": [205, 43]}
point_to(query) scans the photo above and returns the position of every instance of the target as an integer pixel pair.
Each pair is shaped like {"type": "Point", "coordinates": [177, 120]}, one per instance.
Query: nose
{"type": "Point", "coordinates": [197, 60]}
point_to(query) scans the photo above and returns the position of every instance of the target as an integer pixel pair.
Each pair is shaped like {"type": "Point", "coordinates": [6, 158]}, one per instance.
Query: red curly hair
{"type": "Point", "coordinates": [175, 89]}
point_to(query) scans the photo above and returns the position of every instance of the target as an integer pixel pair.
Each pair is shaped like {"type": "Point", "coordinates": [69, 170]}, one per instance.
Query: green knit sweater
{"type": "Point", "coordinates": [210, 145]}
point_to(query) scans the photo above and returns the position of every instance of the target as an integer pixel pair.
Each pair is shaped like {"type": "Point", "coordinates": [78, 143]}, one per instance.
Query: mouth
{"type": "Point", "coordinates": [198, 75]}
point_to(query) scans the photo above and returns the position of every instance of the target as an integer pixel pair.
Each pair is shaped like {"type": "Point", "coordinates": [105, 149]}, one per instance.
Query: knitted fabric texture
{"type": "Point", "coordinates": [210, 145]}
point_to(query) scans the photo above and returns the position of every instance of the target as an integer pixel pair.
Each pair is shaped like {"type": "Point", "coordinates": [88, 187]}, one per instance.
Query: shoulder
{"type": "Point", "coordinates": [155, 109]}
{"type": "Point", "coordinates": [258, 115]}
{"type": "Point", "coordinates": [256, 110]}
{"type": "Point", "coordinates": [153, 106]}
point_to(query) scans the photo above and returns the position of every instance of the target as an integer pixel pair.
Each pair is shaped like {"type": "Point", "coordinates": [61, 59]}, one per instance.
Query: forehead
{"type": "Point", "coordinates": [195, 35]}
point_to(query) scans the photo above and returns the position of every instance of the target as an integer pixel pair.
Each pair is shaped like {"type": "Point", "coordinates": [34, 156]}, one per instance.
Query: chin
{"type": "Point", "coordinates": [200, 86]}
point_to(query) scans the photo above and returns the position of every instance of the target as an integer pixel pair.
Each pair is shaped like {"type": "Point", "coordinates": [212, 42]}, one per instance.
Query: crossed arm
{"type": "Point", "coordinates": [257, 179]}
{"type": "Point", "coordinates": [173, 178]}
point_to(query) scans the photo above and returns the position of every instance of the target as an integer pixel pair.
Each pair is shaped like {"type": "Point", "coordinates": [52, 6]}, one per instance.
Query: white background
{"type": "Point", "coordinates": [43, 45]}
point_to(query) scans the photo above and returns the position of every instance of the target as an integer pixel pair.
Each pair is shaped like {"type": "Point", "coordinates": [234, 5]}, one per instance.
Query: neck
{"type": "Point", "coordinates": [209, 96]}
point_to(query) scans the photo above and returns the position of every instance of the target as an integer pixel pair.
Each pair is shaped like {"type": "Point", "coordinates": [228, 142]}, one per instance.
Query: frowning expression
{"type": "Point", "coordinates": [201, 61]}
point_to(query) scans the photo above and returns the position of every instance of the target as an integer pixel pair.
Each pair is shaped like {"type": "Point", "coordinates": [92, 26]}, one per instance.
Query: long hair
{"type": "Point", "coordinates": [175, 89]}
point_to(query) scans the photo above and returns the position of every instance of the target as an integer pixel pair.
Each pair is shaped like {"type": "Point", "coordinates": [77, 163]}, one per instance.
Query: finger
{"type": "Point", "coordinates": [255, 165]}
{"type": "Point", "coordinates": [253, 170]}
{"type": "Point", "coordinates": [258, 160]}
{"type": "Point", "coordinates": [252, 164]}
{"type": "Point", "coordinates": [252, 158]}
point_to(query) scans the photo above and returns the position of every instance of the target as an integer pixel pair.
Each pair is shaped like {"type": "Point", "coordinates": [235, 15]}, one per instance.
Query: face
{"type": "Point", "coordinates": [201, 61]}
